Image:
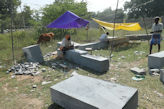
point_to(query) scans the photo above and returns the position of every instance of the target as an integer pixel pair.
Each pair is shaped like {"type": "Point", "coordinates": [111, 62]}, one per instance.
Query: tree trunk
{"type": "Point", "coordinates": [2, 28]}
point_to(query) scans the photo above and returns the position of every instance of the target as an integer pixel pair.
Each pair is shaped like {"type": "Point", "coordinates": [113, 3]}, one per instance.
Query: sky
{"type": "Point", "coordinates": [93, 5]}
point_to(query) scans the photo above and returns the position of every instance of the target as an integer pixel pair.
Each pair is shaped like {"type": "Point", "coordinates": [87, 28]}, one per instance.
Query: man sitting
{"type": "Point", "coordinates": [66, 44]}
{"type": "Point", "coordinates": [104, 37]}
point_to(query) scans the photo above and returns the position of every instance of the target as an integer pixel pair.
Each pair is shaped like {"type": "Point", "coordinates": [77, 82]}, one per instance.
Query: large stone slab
{"type": "Point", "coordinates": [162, 75]}
{"type": "Point", "coordinates": [94, 45]}
{"type": "Point", "coordinates": [95, 63]}
{"type": "Point", "coordinates": [156, 60]}
{"type": "Point", "coordinates": [81, 92]}
{"type": "Point", "coordinates": [75, 55]}
{"type": "Point", "coordinates": [33, 53]}
{"type": "Point", "coordinates": [139, 36]}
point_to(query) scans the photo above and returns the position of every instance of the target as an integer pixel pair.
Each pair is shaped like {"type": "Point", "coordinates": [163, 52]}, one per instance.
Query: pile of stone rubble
{"type": "Point", "coordinates": [50, 54]}
{"type": "Point", "coordinates": [27, 68]}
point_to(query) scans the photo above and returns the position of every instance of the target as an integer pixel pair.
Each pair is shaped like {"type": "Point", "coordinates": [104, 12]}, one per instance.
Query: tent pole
{"type": "Point", "coordinates": [11, 31]}
{"type": "Point", "coordinates": [145, 27]}
{"type": "Point", "coordinates": [114, 29]}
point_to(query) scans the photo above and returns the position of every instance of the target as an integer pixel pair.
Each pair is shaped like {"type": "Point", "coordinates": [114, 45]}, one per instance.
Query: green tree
{"type": "Point", "coordinates": [149, 8]}
{"type": "Point", "coordinates": [59, 7]}
{"type": "Point", "coordinates": [108, 15]}
{"type": "Point", "coordinates": [6, 8]}
{"type": "Point", "coordinates": [27, 14]}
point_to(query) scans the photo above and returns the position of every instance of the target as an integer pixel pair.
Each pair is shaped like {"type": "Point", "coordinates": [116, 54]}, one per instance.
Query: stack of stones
{"type": "Point", "coordinates": [27, 68]}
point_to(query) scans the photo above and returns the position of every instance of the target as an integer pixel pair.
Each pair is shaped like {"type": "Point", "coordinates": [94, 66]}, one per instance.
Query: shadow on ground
{"type": "Point", "coordinates": [55, 106]}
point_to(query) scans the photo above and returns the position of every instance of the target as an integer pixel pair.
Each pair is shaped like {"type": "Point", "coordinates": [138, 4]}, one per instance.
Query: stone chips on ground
{"type": "Point", "coordinates": [27, 68]}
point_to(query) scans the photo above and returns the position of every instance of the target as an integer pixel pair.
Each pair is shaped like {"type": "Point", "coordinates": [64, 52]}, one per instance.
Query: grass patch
{"type": "Point", "coordinates": [16, 93]}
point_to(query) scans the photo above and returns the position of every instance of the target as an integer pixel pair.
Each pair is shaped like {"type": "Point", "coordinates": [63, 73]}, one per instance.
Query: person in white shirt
{"type": "Point", "coordinates": [156, 33]}
{"type": "Point", "coordinates": [104, 37]}
{"type": "Point", "coordinates": [66, 44]}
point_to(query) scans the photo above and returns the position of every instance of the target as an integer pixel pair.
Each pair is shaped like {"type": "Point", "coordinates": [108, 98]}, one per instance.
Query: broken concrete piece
{"type": "Point", "coordinates": [63, 66]}
{"type": "Point", "coordinates": [123, 57]}
{"type": "Point", "coordinates": [154, 72]}
{"type": "Point", "coordinates": [53, 64]}
{"type": "Point", "coordinates": [46, 82]}
{"type": "Point", "coordinates": [82, 92]}
{"type": "Point", "coordinates": [43, 69]}
{"type": "Point", "coordinates": [35, 73]}
{"type": "Point", "coordinates": [162, 75]}
{"type": "Point", "coordinates": [1, 66]}
{"type": "Point", "coordinates": [34, 86]}
{"type": "Point", "coordinates": [113, 79]}
{"type": "Point", "coordinates": [156, 60]}
{"type": "Point", "coordinates": [74, 73]}
{"type": "Point", "coordinates": [159, 94]}
{"type": "Point", "coordinates": [24, 69]}
{"type": "Point", "coordinates": [139, 52]}
{"type": "Point", "coordinates": [138, 71]}
{"type": "Point", "coordinates": [33, 53]}
{"type": "Point", "coordinates": [13, 76]}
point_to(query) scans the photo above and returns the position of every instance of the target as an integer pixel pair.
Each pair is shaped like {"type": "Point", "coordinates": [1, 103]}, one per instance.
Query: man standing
{"type": "Point", "coordinates": [156, 34]}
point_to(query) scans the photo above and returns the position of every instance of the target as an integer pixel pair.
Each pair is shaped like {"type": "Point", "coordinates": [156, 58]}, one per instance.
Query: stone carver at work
{"type": "Point", "coordinates": [156, 31]}
{"type": "Point", "coordinates": [66, 44]}
{"type": "Point", "coordinates": [104, 37]}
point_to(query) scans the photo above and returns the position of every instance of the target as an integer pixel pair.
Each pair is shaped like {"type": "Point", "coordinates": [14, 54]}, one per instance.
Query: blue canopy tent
{"type": "Point", "coordinates": [67, 21]}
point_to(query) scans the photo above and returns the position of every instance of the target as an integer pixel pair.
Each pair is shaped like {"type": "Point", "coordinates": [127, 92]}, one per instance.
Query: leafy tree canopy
{"type": "Point", "coordinates": [59, 7]}
{"type": "Point", "coordinates": [149, 8]}
{"type": "Point", "coordinates": [108, 15]}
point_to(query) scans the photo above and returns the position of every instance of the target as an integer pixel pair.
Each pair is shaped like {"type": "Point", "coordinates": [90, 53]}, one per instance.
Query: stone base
{"type": "Point", "coordinates": [156, 60]}
{"type": "Point", "coordinates": [162, 75]}
{"type": "Point", "coordinates": [139, 36]}
{"type": "Point", "coordinates": [81, 92]}
{"type": "Point", "coordinates": [95, 63]}
{"type": "Point", "coordinates": [118, 41]}
{"type": "Point", "coordinates": [33, 53]}
{"type": "Point", "coordinates": [95, 45]}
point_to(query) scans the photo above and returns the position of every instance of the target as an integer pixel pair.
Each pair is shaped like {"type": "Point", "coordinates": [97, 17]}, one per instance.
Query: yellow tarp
{"type": "Point", "coordinates": [119, 26]}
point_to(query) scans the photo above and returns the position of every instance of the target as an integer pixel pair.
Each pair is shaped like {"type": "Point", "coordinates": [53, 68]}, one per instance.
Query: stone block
{"type": "Point", "coordinates": [75, 55]}
{"type": "Point", "coordinates": [118, 41]}
{"type": "Point", "coordinates": [94, 45]}
{"type": "Point", "coordinates": [81, 92]}
{"type": "Point", "coordinates": [139, 36]}
{"type": "Point", "coordinates": [156, 60]}
{"type": "Point", "coordinates": [95, 63]}
{"type": "Point", "coordinates": [162, 75]}
{"type": "Point", "coordinates": [33, 53]}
